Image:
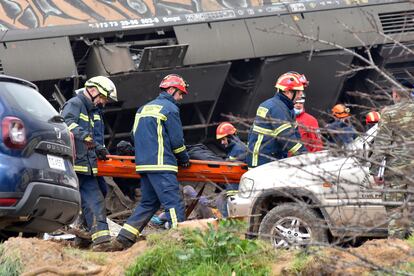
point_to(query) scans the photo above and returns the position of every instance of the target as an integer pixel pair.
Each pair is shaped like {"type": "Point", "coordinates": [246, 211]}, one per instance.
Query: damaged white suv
{"type": "Point", "coordinates": [313, 197]}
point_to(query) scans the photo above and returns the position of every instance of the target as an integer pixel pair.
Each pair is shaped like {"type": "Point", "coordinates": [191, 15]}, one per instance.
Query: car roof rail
{"type": "Point", "coordinates": [7, 78]}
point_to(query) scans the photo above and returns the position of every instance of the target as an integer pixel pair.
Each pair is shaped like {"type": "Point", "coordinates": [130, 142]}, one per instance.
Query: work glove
{"type": "Point", "coordinates": [185, 164]}
{"type": "Point", "coordinates": [90, 144]}
{"type": "Point", "coordinates": [102, 153]}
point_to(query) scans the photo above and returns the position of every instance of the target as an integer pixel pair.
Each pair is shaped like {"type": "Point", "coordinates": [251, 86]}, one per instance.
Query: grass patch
{"type": "Point", "coordinates": [9, 265]}
{"type": "Point", "coordinates": [214, 252]}
{"type": "Point", "coordinates": [410, 240]}
{"type": "Point", "coordinates": [93, 257]}
{"type": "Point", "coordinates": [300, 262]}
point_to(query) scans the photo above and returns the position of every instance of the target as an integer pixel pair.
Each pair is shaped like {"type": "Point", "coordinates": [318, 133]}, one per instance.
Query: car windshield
{"type": "Point", "coordinates": [24, 99]}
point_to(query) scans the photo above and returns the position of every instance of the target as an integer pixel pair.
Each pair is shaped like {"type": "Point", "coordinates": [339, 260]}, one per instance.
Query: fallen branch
{"type": "Point", "coordinates": [58, 271]}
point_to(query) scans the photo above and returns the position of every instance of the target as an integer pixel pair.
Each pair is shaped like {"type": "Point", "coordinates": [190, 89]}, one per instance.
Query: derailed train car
{"type": "Point", "coordinates": [229, 51]}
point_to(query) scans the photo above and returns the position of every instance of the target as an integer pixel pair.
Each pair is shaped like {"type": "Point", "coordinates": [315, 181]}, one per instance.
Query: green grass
{"type": "Point", "coordinates": [213, 252]}
{"type": "Point", "coordinates": [410, 240]}
{"type": "Point", "coordinates": [300, 262]}
{"type": "Point", "coordinates": [9, 265]}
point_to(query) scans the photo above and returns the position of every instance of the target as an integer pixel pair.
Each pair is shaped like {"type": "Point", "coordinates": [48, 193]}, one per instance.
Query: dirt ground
{"type": "Point", "coordinates": [58, 258]}
{"type": "Point", "coordinates": [380, 255]}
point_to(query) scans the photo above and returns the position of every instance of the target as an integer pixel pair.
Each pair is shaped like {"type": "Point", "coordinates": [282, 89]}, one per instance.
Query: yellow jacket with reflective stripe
{"type": "Point", "coordinates": [158, 136]}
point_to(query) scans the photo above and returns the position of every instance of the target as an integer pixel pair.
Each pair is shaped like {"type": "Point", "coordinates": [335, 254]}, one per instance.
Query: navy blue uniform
{"type": "Point", "coordinates": [77, 113]}
{"type": "Point", "coordinates": [236, 150]}
{"type": "Point", "coordinates": [341, 133]}
{"type": "Point", "coordinates": [273, 134]}
{"type": "Point", "coordinates": [98, 136]}
{"type": "Point", "coordinates": [159, 143]}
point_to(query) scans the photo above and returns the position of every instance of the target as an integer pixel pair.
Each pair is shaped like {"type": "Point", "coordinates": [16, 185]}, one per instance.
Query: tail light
{"type": "Point", "coordinates": [72, 144]}
{"type": "Point", "coordinates": [7, 202]}
{"type": "Point", "coordinates": [14, 133]}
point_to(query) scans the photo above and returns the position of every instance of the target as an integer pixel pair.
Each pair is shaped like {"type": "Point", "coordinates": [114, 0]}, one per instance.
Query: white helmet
{"type": "Point", "coordinates": [104, 85]}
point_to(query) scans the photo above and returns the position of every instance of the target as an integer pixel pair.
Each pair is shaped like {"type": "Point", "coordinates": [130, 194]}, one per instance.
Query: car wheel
{"type": "Point", "coordinates": [292, 225]}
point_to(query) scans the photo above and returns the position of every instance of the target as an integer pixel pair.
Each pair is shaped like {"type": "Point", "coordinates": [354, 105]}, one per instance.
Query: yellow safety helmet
{"type": "Point", "coordinates": [104, 85]}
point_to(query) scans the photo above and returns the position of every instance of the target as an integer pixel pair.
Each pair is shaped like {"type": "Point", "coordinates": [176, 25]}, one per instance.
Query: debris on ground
{"type": "Point", "coordinates": [59, 257]}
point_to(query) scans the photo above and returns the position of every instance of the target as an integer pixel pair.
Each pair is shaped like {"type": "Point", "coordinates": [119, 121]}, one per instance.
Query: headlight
{"type": "Point", "coordinates": [246, 187]}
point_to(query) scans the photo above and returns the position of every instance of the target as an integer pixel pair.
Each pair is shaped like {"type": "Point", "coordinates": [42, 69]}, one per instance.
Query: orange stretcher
{"type": "Point", "coordinates": [199, 171]}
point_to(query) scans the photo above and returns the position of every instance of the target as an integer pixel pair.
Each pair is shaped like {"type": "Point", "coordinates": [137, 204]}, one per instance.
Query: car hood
{"type": "Point", "coordinates": [304, 170]}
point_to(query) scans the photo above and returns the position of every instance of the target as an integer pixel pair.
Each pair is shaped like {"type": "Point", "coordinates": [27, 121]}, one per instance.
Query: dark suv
{"type": "Point", "coordinates": [38, 187]}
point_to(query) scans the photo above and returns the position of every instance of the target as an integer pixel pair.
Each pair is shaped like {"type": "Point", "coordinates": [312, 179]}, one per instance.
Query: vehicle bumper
{"type": "Point", "coordinates": [238, 206]}
{"type": "Point", "coordinates": [42, 207]}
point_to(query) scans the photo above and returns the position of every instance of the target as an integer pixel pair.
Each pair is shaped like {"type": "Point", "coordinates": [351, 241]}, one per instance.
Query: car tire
{"type": "Point", "coordinates": [293, 225]}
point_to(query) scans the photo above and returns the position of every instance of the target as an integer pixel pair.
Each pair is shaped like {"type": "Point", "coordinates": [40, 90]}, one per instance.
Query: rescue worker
{"type": "Point", "coordinates": [236, 151]}
{"type": "Point", "coordinates": [308, 127]}
{"type": "Point", "coordinates": [273, 134]}
{"type": "Point", "coordinates": [159, 144]}
{"type": "Point", "coordinates": [341, 131]}
{"type": "Point", "coordinates": [393, 164]}
{"type": "Point", "coordinates": [78, 115]}
{"type": "Point", "coordinates": [372, 118]}
{"type": "Point", "coordinates": [101, 151]}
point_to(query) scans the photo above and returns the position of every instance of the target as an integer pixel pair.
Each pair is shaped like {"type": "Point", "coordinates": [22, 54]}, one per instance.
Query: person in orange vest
{"type": "Point", "coordinates": [308, 127]}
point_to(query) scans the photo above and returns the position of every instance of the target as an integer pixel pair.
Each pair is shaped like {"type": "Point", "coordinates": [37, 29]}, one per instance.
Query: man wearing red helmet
{"type": "Point", "coordinates": [159, 144]}
{"type": "Point", "coordinates": [372, 118]}
{"type": "Point", "coordinates": [273, 134]}
{"type": "Point", "coordinates": [235, 151]}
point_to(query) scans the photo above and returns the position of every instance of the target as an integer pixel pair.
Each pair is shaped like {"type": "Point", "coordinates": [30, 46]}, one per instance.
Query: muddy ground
{"type": "Point", "coordinates": [59, 258]}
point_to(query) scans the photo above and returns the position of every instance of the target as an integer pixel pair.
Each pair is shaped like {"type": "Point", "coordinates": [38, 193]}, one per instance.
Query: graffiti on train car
{"type": "Point", "coordinates": [23, 14]}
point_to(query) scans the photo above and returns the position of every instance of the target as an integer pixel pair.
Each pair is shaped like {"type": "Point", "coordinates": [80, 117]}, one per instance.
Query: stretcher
{"type": "Point", "coordinates": [199, 171]}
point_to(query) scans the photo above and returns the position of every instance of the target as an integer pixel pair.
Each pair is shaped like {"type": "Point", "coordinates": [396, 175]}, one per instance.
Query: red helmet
{"type": "Point", "coordinates": [176, 81]}
{"type": "Point", "coordinates": [291, 81]}
{"type": "Point", "coordinates": [301, 77]}
{"type": "Point", "coordinates": [224, 129]}
{"type": "Point", "coordinates": [372, 117]}
{"type": "Point", "coordinates": [341, 111]}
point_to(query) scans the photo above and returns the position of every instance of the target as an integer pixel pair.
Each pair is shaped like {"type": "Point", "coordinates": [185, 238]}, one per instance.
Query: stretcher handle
{"type": "Point", "coordinates": [202, 162]}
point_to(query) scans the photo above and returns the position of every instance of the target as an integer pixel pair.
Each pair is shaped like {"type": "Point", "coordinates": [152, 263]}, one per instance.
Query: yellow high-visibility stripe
{"type": "Point", "coordinates": [173, 215]}
{"type": "Point", "coordinates": [134, 128]}
{"type": "Point", "coordinates": [160, 143]}
{"type": "Point", "coordinates": [271, 132]}
{"type": "Point", "coordinates": [232, 158]}
{"type": "Point", "coordinates": [155, 115]}
{"type": "Point", "coordinates": [100, 234]}
{"type": "Point", "coordinates": [295, 148]}
{"type": "Point", "coordinates": [96, 117]}
{"type": "Point", "coordinates": [131, 229]}
{"type": "Point", "coordinates": [84, 117]}
{"type": "Point", "coordinates": [73, 126]}
{"type": "Point", "coordinates": [156, 168]}
{"type": "Point", "coordinates": [152, 110]}
{"type": "Point", "coordinates": [80, 168]}
{"type": "Point", "coordinates": [231, 192]}
{"type": "Point", "coordinates": [95, 170]}
{"type": "Point", "coordinates": [256, 150]}
{"type": "Point", "coordinates": [92, 124]}
{"type": "Point", "coordinates": [180, 149]}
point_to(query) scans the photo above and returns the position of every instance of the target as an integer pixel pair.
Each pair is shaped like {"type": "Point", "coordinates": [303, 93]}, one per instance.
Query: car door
{"type": "Point", "coordinates": [359, 198]}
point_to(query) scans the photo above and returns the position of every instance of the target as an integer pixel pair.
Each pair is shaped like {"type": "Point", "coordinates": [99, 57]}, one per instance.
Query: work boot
{"type": "Point", "coordinates": [112, 246]}
{"type": "Point", "coordinates": [102, 247]}
{"type": "Point", "coordinates": [82, 243]}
